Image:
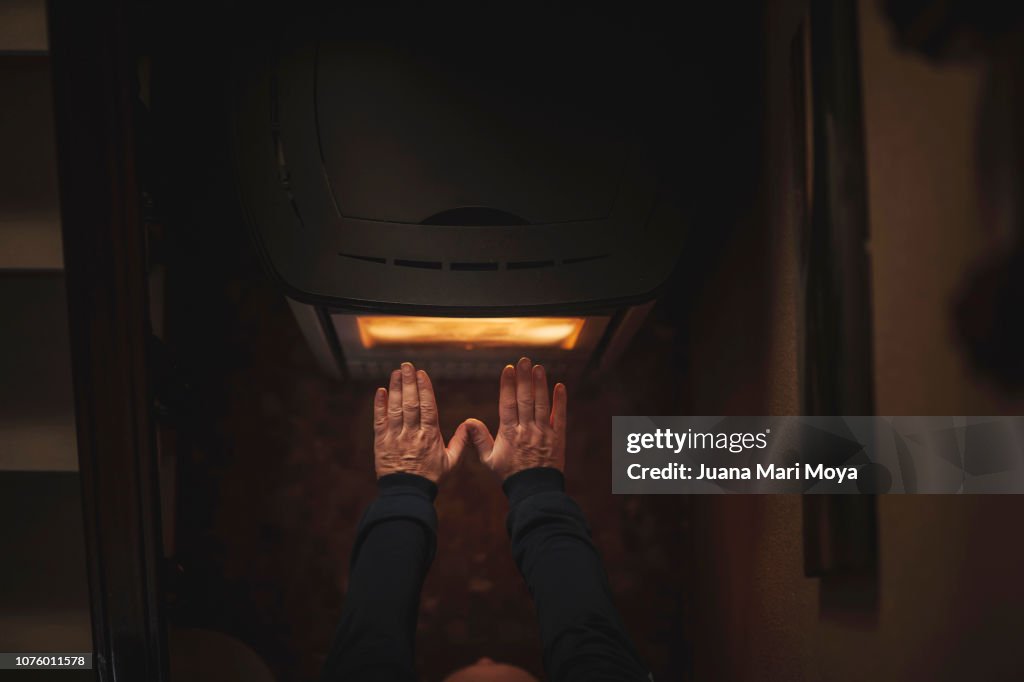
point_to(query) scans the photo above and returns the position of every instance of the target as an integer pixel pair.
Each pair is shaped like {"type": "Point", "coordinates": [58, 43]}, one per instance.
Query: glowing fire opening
{"type": "Point", "coordinates": [469, 332]}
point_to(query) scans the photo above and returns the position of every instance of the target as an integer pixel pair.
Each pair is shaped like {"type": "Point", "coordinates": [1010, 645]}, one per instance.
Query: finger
{"type": "Point", "coordinates": [508, 412]}
{"type": "Point", "coordinates": [480, 437]}
{"type": "Point", "coordinates": [428, 404]}
{"type": "Point", "coordinates": [558, 412]}
{"type": "Point", "coordinates": [456, 446]}
{"type": "Point", "coordinates": [380, 411]}
{"type": "Point", "coordinates": [524, 390]}
{"type": "Point", "coordinates": [410, 397]}
{"type": "Point", "coordinates": [541, 400]}
{"type": "Point", "coordinates": [395, 401]}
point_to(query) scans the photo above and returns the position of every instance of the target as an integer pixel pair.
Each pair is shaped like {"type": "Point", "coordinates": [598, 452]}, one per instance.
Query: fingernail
{"type": "Point", "coordinates": [407, 369]}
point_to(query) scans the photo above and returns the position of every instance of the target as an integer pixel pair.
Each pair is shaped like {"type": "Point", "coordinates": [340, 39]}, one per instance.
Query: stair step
{"type": "Point", "coordinates": [30, 237]}
{"type": "Point", "coordinates": [23, 27]}
{"type": "Point", "coordinates": [37, 423]}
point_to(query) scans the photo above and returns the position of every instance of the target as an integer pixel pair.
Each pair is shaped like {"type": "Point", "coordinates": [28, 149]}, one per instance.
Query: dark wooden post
{"type": "Point", "coordinates": [840, 536]}
{"type": "Point", "coordinates": [104, 256]}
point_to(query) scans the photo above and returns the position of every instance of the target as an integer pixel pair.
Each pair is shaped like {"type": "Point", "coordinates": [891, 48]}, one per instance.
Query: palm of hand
{"type": "Point", "coordinates": [532, 430]}
{"type": "Point", "coordinates": [525, 447]}
{"type": "Point", "coordinates": [420, 451]}
{"type": "Point", "coordinates": [407, 436]}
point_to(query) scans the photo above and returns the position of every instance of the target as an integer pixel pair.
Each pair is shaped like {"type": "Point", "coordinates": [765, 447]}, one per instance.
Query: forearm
{"type": "Point", "coordinates": [394, 547]}
{"type": "Point", "coordinates": [582, 634]}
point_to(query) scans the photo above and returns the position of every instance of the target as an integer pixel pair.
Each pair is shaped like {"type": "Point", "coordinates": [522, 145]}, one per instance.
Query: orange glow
{"type": "Point", "coordinates": [469, 332]}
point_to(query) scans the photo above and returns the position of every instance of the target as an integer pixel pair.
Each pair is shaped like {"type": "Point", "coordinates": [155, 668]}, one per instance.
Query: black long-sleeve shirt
{"type": "Point", "coordinates": [582, 635]}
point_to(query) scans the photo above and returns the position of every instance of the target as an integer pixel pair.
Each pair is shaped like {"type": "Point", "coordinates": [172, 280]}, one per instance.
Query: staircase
{"type": "Point", "coordinates": [44, 605]}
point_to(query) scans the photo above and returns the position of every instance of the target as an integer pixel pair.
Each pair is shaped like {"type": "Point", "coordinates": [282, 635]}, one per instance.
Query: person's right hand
{"type": "Point", "coordinates": [532, 429]}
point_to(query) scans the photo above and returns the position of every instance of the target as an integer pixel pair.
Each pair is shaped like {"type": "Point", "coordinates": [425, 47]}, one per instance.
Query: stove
{"type": "Point", "coordinates": [415, 202]}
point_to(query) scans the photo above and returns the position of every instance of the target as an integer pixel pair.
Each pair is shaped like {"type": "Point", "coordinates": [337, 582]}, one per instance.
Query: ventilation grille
{"type": "Point", "coordinates": [472, 266]}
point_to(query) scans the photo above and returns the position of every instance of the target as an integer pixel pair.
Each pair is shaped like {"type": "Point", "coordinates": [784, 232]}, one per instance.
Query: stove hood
{"type": "Point", "coordinates": [413, 202]}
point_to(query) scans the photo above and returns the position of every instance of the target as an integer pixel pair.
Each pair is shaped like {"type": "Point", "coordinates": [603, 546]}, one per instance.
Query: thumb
{"type": "Point", "coordinates": [480, 436]}
{"type": "Point", "coordinates": [456, 445]}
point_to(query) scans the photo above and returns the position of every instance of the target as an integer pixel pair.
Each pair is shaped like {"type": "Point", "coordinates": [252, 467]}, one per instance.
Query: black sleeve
{"type": "Point", "coordinates": [583, 637]}
{"type": "Point", "coordinates": [394, 547]}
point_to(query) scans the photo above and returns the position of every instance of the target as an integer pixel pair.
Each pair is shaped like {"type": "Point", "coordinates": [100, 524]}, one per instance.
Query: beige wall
{"type": "Point", "coordinates": [925, 224]}
{"type": "Point", "coordinates": [951, 601]}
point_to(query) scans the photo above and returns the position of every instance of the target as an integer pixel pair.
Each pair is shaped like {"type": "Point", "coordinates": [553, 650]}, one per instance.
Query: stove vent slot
{"type": "Point", "coordinates": [425, 264]}
{"type": "Point", "coordinates": [370, 259]}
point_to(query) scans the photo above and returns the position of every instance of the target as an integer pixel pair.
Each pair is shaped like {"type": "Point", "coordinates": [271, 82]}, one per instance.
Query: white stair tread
{"type": "Point", "coordinates": [31, 241]}
{"type": "Point", "coordinates": [23, 26]}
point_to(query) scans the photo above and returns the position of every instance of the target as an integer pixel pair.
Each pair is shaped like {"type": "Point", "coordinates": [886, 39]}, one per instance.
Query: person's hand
{"type": "Point", "coordinates": [532, 429]}
{"type": "Point", "coordinates": [407, 438]}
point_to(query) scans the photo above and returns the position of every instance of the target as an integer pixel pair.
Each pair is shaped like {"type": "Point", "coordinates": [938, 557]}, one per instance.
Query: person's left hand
{"type": "Point", "coordinates": [407, 437]}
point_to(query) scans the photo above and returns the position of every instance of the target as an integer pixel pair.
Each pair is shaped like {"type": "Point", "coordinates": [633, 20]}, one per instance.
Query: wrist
{"type": "Point", "coordinates": [413, 468]}
{"type": "Point", "coordinates": [527, 482]}
{"type": "Point", "coordinates": [407, 481]}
